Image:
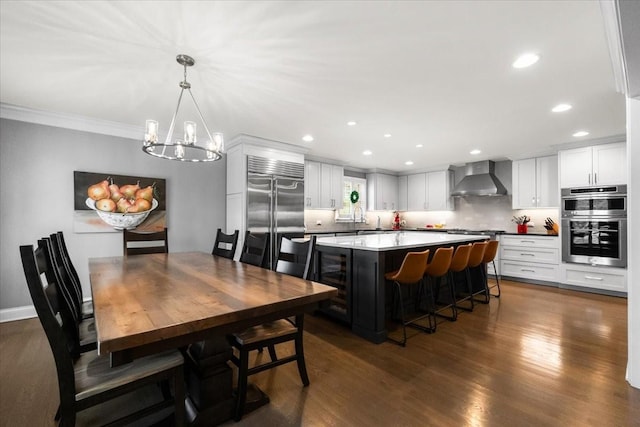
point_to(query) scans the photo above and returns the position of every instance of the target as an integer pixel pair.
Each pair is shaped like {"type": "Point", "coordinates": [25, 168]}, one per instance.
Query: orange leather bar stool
{"type": "Point", "coordinates": [459, 264]}
{"type": "Point", "coordinates": [436, 269]}
{"type": "Point", "coordinates": [411, 271]}
{"type": "Point", "coordinates": [475, 260]}
{"type": "Point", "coordinates": [489, 257]}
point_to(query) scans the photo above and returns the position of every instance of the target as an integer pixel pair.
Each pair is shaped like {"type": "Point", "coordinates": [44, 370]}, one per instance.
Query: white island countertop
{"type": "Point", "coordinates": [397, 240]}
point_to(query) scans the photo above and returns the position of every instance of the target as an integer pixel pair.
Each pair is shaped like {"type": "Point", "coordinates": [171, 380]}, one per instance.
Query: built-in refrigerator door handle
{"type": "Point", "coordinates": [273, 222]}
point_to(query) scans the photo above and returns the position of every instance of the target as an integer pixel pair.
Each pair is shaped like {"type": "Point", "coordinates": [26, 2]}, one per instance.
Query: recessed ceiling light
{"type": "Point", "coordinates": [387, 135]}
{"type": "Point", "coordinates": [408, 163]}
{"type": "Point", "coordinates": [419, 146]}
{"type": "Point", "coordinates": [367, 152]}
{"type": "Point", "coordinates": [307, 138]}
{"type": "Point", "coordinates": [526, 60]}
{"type": "Point", "coordinates": [581, 133]}
{"type": "Point", "coordinates": [561, 107]}
{"type": "Point", "coordinates": [475, 152]}
{"type": "Point", "coordinates": [351, 123]}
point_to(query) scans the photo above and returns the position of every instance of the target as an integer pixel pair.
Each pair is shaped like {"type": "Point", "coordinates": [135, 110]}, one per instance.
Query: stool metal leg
{"type": "Point", "coordinates": [497, 280]}
{"type": "Point", "coordinates": [403, 343]}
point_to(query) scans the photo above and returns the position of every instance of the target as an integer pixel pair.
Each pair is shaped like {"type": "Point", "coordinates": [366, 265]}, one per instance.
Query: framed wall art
{"type": "Point", "coordinates": [105, 202]}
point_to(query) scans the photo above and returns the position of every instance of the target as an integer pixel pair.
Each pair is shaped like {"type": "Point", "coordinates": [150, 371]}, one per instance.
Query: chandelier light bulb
{"type": "Point", "coordinates": [189, 133]}
{"type": "Point", "coordinates": [151, 133]}
{"type": "Point", "coordinates": [179, 150]}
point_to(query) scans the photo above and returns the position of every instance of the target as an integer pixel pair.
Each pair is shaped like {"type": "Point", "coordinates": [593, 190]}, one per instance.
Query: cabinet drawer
{"type": "Point", "coordinates": [536, 255]}
{"type": "Point", "coordinates": [544, 272]}
{"type": "Point", "coordinates": [612, 280]}
{"type": "Point", "coordinates": [529, 241]}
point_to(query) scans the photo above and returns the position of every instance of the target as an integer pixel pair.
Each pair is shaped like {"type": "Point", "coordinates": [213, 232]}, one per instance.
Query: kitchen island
{"type": "Point", "coordinates": [356, 265]}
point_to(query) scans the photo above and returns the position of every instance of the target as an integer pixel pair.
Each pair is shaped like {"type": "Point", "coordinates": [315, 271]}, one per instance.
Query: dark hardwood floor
{"type": "Point", "coordinates": [538, 356]}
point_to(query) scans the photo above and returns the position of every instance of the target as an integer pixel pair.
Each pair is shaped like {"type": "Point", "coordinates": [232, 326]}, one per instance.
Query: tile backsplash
{"type": "Point", "coordinates": [477, 213]}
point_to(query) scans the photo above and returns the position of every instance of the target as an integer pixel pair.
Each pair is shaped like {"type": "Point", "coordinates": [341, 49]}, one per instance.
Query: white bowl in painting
{"type": "Point", "coordinates": [121, 221]}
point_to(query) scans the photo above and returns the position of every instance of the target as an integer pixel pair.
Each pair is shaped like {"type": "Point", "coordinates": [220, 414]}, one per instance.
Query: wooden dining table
{"type": "Point", "coordinates": [145, 304]}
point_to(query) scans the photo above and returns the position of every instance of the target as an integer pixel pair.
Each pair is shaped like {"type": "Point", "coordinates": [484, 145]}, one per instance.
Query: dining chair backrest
{"type": "Point", "coordinates": [295, 258]}
{"type": "Point", "coordinates": [65, 277]}
{"type": "Point", "coordinates": [491, 251]}
{"type": "Point", "coordinates": [69, 264]}
{"type": "Point", "coordinates": [254, 250]}
{"type": "Point", "coordinates": [225, 244]}
{"type": "Point", "coordinates": [160, 240]}
{"type": "Point", "coordinates": [440, 263]}
{"type": "Point", "coordinates": [460, 258]}
{"type": "Point", "coordinates": [412, 268]}
{"type": "Point", "coordinates": [64, 297]}
{"type": "Point", "coordinates": [477, 254]}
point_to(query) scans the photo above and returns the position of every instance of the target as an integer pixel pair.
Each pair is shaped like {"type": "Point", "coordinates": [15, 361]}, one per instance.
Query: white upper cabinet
{"type": "Point", "coordinates": [591, 166]}
{"type": "Point", "coordinates": [402, 193]}
{"type": "Point", "coordinates": [417, 192]}
{"type": "Point", "coordinates": [610, 164]}
{"type": "Point", "coordinates": [439, 189]}
{"type": "Point", "coordinates": [311, 185]}
{"type": "Point", "coordinates": [331, 177]}
{"type": "Point", "coordinates": [382, 192]}
{"type": "Point", "coordinates": [322, 185]}
{"type": "Point", "coordinates": [429, 191]}
{"type": "Point", "coordinates": [535, 183]}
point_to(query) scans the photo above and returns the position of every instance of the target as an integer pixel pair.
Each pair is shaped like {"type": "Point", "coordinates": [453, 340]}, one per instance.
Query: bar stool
{"type": "Point", "coordinates": [411, 271]}
{"type": "Point", "coordinates": [476, 258]}
{"type": "Point", "coordinates": [489, 257]}
{"type": "Point", "coordinates": [435, 270]}
{"type": "Point", "coordinates": [459, 264]}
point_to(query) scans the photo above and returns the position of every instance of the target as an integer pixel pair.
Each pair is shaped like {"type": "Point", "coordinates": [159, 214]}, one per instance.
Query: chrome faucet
{"type": "Point", "coordinates": [355, 210]}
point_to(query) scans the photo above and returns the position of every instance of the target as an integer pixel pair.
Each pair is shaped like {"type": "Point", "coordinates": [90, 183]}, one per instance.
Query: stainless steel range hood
{"type": "Point", "coordinates": [479, 180]}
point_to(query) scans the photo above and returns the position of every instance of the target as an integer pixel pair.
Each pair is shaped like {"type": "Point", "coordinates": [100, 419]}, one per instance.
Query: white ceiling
{"type": "Point", "coordinates": [436, 73]}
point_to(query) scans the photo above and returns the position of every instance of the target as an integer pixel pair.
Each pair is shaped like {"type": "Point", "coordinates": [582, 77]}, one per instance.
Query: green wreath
{"type": "Point", "coordinates": [354, 197]}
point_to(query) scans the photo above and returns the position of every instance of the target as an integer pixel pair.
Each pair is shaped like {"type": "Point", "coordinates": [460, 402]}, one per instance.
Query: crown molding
{"type": "Point", "coordinates": [70, 121]}
{"type": "Point", "coordinates": [610, 17]}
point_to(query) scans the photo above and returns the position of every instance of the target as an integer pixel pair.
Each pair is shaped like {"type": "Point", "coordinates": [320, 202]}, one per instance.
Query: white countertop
{"type": "Point", "coordinates": [397, 240]}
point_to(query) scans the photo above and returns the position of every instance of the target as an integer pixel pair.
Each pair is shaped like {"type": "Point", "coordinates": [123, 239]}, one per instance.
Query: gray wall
{"type": "Point", "coordinates": [36, 196]}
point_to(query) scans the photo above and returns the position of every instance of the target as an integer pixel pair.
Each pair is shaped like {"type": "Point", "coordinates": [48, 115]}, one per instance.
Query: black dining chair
{"type": "Point", "coordinates": [141, 243]}
{"type": "Point", "coordinates": [254, 249]}
{"type": "Point", "coordinates": [89, 380]}
{"type": "Point", "coordinates": [225, 244]}
{"type": "Point", "coordinates": [295, 259]}
{"type": "Point", "coordinates": [81, 333]}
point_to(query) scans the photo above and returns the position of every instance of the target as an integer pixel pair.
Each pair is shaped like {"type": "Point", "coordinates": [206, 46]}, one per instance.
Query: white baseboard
{"type": "Point", "coordinates": [21, 313]}
{"type": "Point", "coordinates": [17, 313]}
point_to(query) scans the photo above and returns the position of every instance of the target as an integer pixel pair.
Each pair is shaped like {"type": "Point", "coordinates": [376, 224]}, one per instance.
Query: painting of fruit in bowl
{"type": "Point", "coordinates": [105, 202]}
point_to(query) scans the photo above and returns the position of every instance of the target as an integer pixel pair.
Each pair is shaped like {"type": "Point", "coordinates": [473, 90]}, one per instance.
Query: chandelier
{"type": "Point", "coordinates": [187, 149]}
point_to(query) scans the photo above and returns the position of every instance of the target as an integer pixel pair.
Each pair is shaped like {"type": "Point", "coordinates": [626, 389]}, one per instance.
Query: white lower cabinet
{"type": "Point", "coordinates": [528, 270]}
{"type": "Point", "coordinates": [604, 278]}
{"type": "Point", "coordinates": [530, 257]}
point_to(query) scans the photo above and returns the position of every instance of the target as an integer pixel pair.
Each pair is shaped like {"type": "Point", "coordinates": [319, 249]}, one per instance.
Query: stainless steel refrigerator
{"type": "Point", "coordinates": [275, 200]}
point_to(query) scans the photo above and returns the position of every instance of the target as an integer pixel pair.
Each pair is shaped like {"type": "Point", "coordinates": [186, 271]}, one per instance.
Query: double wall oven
{"type": "Point", "coordinates": [594, 225]}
